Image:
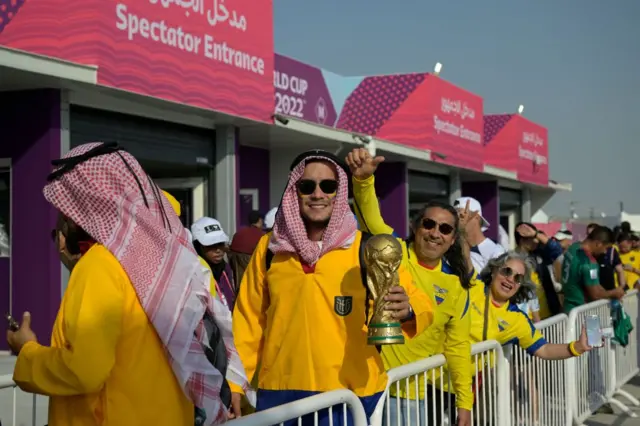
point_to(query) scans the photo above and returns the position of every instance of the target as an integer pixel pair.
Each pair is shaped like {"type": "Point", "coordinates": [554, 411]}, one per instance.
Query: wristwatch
{"type": "Point", "coordinates": [411, 315]}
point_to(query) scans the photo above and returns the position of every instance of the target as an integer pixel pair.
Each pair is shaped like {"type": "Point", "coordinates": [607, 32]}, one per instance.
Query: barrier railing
{"type": "Point", "coordinates": [17, 415]}
{"type": "Point", "coordinates": [338, 407]}
{"type": "Point", "coordinates": [627, 362]}
{"type": "Point", "coordinates": [516, 389]}
{"type": "Point", "coordinates": [417, 393]}
{"type": "Point", "coordinates": [591, 378]}
{"type": "Point", "coordinates": [537, 386]}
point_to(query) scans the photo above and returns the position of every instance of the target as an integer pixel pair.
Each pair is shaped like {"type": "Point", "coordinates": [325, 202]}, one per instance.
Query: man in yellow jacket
{"type": "Point", "coordinates": [434, 257]}
{"type": "Point", "coordinates": [302, 306]}
{"type": "Point", "coordinates": [137, 299]}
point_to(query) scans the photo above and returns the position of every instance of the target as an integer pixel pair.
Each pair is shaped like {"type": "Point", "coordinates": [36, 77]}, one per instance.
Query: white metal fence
{"type": "Point", "coordinates": [538, 393]}
{"type": "Point", "coordinates": [338, 407]}
{"type": "Point", "coordinates": [515, 390]}
{"type": "Point", "coordinates": [402, 403]}
{"type": "Point", "coordinates": [17, 408]}
{"type": "Point", "coordinates": [626, 357]}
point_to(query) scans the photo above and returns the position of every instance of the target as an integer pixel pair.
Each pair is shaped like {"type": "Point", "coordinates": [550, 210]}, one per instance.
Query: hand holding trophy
{"type": "Point", "coordinates": [383, 254]}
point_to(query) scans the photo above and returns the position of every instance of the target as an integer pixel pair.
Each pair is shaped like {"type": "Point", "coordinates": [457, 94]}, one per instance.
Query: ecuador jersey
{"type": "Point", "coordinates": [506, 324]}
{"type": "Point", "coordinates": [631, 258]}
{"type": "Point", "coordinates": [449, 333]}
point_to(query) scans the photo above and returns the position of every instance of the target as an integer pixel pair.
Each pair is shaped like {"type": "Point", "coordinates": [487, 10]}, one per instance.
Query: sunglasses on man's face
{"type": "Point", "coordinates": [443, 228]}
{"type": "Point", "coordinates": [508, 272]}
{"type": "Point", "coordinates": [308, 186]}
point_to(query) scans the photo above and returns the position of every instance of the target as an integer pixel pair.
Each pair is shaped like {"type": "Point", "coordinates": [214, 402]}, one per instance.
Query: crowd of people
{"type": "Point", "coordinates": [168, 326]}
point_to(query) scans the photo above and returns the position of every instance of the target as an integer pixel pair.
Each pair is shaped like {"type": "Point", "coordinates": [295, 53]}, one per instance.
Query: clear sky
{"type": "Point", "coordinates": [574, 64]}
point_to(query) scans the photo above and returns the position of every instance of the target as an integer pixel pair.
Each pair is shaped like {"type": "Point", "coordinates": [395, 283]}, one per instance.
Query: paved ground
{"type": "Point", "coordinates": [633, 387]}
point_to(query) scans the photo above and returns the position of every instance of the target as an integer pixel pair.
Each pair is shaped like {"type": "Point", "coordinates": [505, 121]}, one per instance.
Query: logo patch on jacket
{"type": "Point", "coordinates": [441, 293]}
{"type": "Point", "coordinates": [502, 324]}
{"type": "Point", "coordinates": [343, 305]}
{"type": "Point", "coordinates": [632, 258]}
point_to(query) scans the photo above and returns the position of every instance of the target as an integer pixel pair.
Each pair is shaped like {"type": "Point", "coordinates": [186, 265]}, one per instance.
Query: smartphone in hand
{"type": "Point", "coordinates": [12, 323]}
{"type": "Point", "coordinates": [594, 331]}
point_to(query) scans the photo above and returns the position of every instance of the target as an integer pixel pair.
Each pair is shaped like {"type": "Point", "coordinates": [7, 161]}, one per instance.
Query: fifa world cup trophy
{"type": "Point", "coordinates": [383, 254]}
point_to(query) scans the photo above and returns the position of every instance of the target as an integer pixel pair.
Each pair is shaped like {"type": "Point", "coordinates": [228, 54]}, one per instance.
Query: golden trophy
{"type": "Point", "coordinates": [382, 256]}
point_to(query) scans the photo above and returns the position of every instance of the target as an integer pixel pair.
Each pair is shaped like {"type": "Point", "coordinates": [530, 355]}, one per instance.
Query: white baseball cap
{"type": "Point", "coordinates": [474, 206]}
{"type": "Point", "coordinates": [563, 234]}
{"type": "Point", "coordinates": [208, 232]}
{"type": "Point", "coordinates": [270, 218]}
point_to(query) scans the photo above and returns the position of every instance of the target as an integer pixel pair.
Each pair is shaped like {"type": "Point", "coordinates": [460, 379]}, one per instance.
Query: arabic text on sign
{"type": "Point", "coordinates": [532, 138]}
{"type": "Point", "coordinates": [459, 108]}
{"type": "Point", "coordinates": [216, 15]}
{"type": "Point", "coordinates": [220, 13]}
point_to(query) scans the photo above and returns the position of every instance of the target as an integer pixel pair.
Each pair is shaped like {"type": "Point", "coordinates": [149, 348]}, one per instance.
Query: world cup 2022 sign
{"type": "Point", "coordinates": [214, 54]}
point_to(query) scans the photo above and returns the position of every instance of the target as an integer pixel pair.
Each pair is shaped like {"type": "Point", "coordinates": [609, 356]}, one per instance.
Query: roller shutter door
{"type": "Point", "coordinates": [148, 140]}
{"type": "Point", "coordinates": [425, 187]}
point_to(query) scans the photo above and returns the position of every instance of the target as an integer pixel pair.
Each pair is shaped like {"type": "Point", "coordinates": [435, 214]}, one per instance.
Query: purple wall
{"type": "Point", "coordinates": [31, 125]}
{"type": "Point", "coordinates": [5, 276]}
{"type": "Point", "coordinates": [391, 188]}
{"type": "Point", "coordinates": [487, 194]}
{"type": "Point", "coordinates": [253, 166]}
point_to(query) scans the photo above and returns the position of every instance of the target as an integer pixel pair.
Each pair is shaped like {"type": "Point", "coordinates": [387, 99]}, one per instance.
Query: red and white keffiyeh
{"type": "Point", "coordinates": [102, 196]}
{"type": "Point", "coordinates": [290, 233]}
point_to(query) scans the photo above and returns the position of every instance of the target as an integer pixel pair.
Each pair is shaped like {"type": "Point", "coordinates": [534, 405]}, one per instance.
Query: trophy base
{"type": "Point", "coordinates": [385, 334]}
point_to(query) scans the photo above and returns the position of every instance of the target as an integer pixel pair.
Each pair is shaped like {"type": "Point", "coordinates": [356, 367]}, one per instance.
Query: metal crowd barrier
{"type": "Point", "coordinates": [19, 400]}
{"type": "Point", "coordinates": [626, 361]}
{"type": "Point", "coordinates": [516, 389]}
{"type": "Point", "coordinates": [491, 406]}
{"type": "Point", "coordinates": [341, 406]}
{"type": "Point", "coordinates": [592, 378]}
{"type": "Point", "coordinates": [537, 386]}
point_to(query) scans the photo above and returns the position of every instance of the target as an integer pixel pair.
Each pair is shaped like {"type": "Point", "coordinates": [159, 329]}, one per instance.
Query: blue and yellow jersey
{"type": "Point", "coordinates": [544, 310]}
{"type": "Point", "coordinates": [307, 327]}
{"type": "Point", "coordinates": [631, 258]}
{"type": "Point", "coordinates": [106, 363]}
{"type": "Point", "coordinates": [449, 333]}
{"type": "Point", "coordinates": [506, 324]}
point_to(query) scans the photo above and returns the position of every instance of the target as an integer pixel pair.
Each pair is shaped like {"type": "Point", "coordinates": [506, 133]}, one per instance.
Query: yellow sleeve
{"type": "Point", "coordinates": [420, 303]}
{"type": "Point", "coordinates": [529, 337]}
{"type": "Point", "coordinates": [367, 207]}
{"type": "Point", "coordinates": [250, 312]}
{"type": "Point", "coordinates": [457, 351]}
{"type": "Point", "coordinates": [92, 325]}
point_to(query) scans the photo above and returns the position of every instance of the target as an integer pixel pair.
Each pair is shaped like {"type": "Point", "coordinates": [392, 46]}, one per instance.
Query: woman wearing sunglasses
{"type": "Point", "coordinates": [434, 238]}
{"type": "Point", "coordinates": [503, 284]}
{"type": "Point", "coordinates": [495, 314]}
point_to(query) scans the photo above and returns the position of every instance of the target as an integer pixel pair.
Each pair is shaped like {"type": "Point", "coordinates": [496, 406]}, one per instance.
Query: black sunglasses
{"type": "Point", "coordinates": [443, 228]}
{"type": "Point", "coordinates": [308, 186]}
{"type": "Point", "coordinates": [507, 272]}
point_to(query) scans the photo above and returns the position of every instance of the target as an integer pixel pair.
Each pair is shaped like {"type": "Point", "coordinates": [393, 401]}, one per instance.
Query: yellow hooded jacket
{"type": "Point", "coordinates": [307, 329]}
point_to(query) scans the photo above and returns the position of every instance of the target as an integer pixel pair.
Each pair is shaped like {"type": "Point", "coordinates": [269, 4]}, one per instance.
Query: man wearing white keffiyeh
{"type": "Point", "coordinates": [138, 339]}
{"type": "Point", "coordinates": [303, 314]}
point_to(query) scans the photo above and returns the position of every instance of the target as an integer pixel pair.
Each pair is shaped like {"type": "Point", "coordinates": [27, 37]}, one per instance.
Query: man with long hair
{"type": "Point", "coordinates": [138, 338]}
{"type": "Point", "coordinates": [302, 308]}
{"type": "Point", "coordinates": [434, 256]}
